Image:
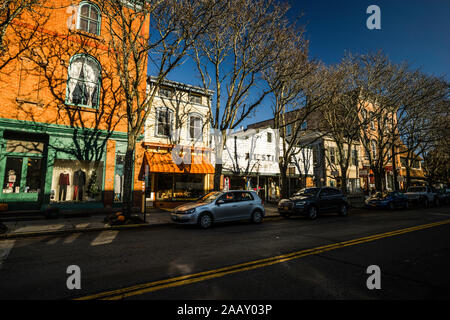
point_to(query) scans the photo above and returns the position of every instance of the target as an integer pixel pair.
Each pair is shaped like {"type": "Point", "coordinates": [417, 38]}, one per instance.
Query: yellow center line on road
{"type": "Point", "coordinates": [247, 266]}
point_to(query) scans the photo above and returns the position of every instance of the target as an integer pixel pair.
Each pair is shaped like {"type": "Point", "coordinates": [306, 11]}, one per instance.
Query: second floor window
{"type": "Point", "coordinates": [195, 127]}
{"type": "Point", "coordinates": [374, 149]}
{"type": "Point", "coordinates": [269, 137]}
{"type": "Point", "coordinates": [163, 122]}
{"type": "Point", "coordinates": [332, 156]}
{"type": "Point", "coordinates": [89, 18]}
{"type": "Point", "coordinates": [194, 98]}
{"type": "Point", "coordinates": [83, 84]}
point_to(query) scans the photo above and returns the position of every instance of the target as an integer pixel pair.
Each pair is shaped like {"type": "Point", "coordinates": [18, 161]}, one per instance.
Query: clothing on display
{"type": "Point", "coordinates": [63, 183]}
{"type": "Point", "coordinates": [79, 181]}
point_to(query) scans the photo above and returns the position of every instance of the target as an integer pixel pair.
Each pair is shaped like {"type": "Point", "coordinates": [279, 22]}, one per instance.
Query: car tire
{"type": "Point", "coordinates": [391, 206]}
{"type": "Point", "coordinates": [286, 214]}
{"type": "Point", "coordinates": [425, 203]}
{"type": "Point", "coordinates": [343, 211]}
{"type": "Point", "coordinates": [436, 202]}
{"type": "Point", "coordinates": [312, 213]}
{"type": "Point", "coordinates": [205, 221]}
{"type": "Point", "coordinates": [257, 216]}
{"type": "Point", "coordinates": [407, 206]}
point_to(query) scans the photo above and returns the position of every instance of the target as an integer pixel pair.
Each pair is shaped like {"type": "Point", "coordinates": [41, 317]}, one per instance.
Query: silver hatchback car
{"type": "Point", "coordinates": [220, 206]}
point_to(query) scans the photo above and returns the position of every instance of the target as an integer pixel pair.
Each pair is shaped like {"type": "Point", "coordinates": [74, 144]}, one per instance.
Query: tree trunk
{"type": "Point", "coordinates": [128, 176]}
{"type": "Point", "coordinates": [219, 144]}
{"type": "Point", "coordinates": [378, 174]}
{"type": "Point", "coordinates": [408, 177]}
{"type": "Point", "coordinates": [284, 192]}
{"type": "Point", "coordinates": [217, 176]}
{"type": "Point", "coordinates": [394, 169]}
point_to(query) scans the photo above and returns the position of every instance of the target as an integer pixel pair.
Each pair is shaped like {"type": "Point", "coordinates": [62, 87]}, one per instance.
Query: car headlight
{"type": "Point", "coordinates": [190, 211]}
{"type": "Point", "coordinates": [300, 203]}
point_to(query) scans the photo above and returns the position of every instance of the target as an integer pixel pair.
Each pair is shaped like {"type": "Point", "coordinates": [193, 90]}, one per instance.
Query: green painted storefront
{"type": "Point", "coordinates": [32, 154]}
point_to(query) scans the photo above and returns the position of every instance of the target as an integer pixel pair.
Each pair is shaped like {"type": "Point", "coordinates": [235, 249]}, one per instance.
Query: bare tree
{"type": "Point", "coordinates": [11, 29]}
{"type": "Point", "coordinates": [400, 100]}
{"type": "Point", "coordinates": [297, 97]}
{"type": "Point", "coordinates": [175, 25]}
{"type": "Point", "coordinates": [231, 57]}
{"type": "Point", "coordinates": [342, 121]}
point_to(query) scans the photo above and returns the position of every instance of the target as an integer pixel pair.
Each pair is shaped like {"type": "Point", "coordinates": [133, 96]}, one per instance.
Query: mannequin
{"type": "Point", "coordinates": [79, 181]}
{"type": "Point", "coordinates": [63, 183]}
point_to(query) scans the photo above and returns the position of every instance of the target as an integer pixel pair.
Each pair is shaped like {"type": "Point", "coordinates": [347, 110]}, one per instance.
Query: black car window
{"type": "Point", "coordinates": [244, 196]}
{"type": "Point", "coordinates": [325, 192]}
{"type": "Point", "coordinates": [334, 192]}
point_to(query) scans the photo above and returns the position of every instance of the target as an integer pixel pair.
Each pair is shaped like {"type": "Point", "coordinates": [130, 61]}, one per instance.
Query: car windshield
{"type": "Point", "coordinates": [307, 192]}
{"type": "Point", "coordinates": [210, 197]}
{"type": "Point", "coordinates": [416, 189]}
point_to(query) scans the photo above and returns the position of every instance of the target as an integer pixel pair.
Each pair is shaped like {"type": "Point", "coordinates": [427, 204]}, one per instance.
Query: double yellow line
{"type": "Point", "coordinates": [216, 273]}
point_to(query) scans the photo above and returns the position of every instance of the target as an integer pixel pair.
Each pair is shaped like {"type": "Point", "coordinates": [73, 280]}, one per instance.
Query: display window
{"type": "Point", "coordinates": [179, 186]}
{"type": "Point", "coordinates": [75, 180]}
{"type": "Point", "coordinates": [119, 178]}
{"type": "Point", "coordinates": [22, 175]}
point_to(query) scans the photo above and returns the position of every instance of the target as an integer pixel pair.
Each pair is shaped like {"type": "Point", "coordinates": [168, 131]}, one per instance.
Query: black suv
{"type": "Point", "coordinates": [312, 201]}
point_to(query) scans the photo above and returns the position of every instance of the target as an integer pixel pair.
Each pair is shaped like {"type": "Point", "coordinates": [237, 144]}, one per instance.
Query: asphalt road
{"type": "Point", "coordinates": [271, 260]}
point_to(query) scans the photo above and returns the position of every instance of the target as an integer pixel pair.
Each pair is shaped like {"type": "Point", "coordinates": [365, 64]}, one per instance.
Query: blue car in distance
{"type": "Point", "coordinates": [388, 200]}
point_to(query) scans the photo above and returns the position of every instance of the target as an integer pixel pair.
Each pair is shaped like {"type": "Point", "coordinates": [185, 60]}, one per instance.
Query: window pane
{"type": "Point", "coordinates": [84, 10]}
{"type": "Point", "coordinates": [93, 27]}
{"type": "Point", "coordinates": [13, 174]}
{"type": "Point", "coordinates": [33, 183]}
{"type": "Point", "coordinates": [94, 13]}
{"type": "Point", "coordinates": [84, 25]}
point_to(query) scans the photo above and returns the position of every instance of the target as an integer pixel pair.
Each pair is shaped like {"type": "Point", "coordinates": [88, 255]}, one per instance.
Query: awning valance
{"type": "Point", "coordinates": [164, 163]}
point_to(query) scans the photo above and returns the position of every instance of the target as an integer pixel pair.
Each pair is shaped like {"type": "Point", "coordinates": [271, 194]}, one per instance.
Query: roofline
{"type": "Point", "coordinates": [182, 86]}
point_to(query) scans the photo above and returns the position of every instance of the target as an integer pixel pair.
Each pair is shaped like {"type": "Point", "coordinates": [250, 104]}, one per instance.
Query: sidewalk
{"type": "Point", "coordinates": [39, 227]}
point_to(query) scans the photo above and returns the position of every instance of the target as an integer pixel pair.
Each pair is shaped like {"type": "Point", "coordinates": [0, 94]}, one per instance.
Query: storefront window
{"type": "Point", "coordinates": [13, 174]}
{"type": "Point", "coordinates": [179, 186]}
{"type": "Point", "coordinates": [189, 186]}
{"type": "Point", "coordinates": [118, 178]}
{"type": "Point", "coordinates": [75, 180]}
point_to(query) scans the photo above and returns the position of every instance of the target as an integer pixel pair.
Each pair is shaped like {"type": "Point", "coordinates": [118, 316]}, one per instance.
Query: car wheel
{"type": "Point", "coordinates": [407, 206]}
{"type": "Point", "coordinates": [343, 211]}
{"type": "Point", "coordinates": [257, 217]}
{"type": "Point", "coordinates": [391, 206]}
{"type": "Point", "coordinates": [436, 202]}
{"type": "Point", "coordinates": [425, 202]}
{"type": "Point", "coordinates": [205, 221]}
{"type": "Point", "coordinates": [312, 213]}
{"type": "Point", "coordinates": [286, 214]}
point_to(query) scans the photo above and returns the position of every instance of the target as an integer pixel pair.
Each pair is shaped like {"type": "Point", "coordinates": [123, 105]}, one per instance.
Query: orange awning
{"type": "Point", "coordinates": [163, 162]}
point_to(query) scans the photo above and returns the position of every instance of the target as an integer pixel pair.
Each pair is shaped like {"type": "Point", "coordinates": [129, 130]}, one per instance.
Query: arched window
{"type": "Point", "coordinates": [195, 127]}
{"type": "Point", "coordinates": [89, 18]}
{"type": "Point", "coordinates": [84, 81]}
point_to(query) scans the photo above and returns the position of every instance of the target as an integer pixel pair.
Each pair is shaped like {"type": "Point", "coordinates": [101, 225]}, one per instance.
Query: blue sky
{"type": "Point", "coordinates": [416, 31]}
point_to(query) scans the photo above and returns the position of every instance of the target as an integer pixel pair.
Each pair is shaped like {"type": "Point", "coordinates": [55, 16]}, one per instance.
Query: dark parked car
{"type": "Point", "coordinates": [388, 200]}
{"type": "Point", "coordinates": [443, 196]}
{"type": "Point", "coordinates": [311, 202]}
